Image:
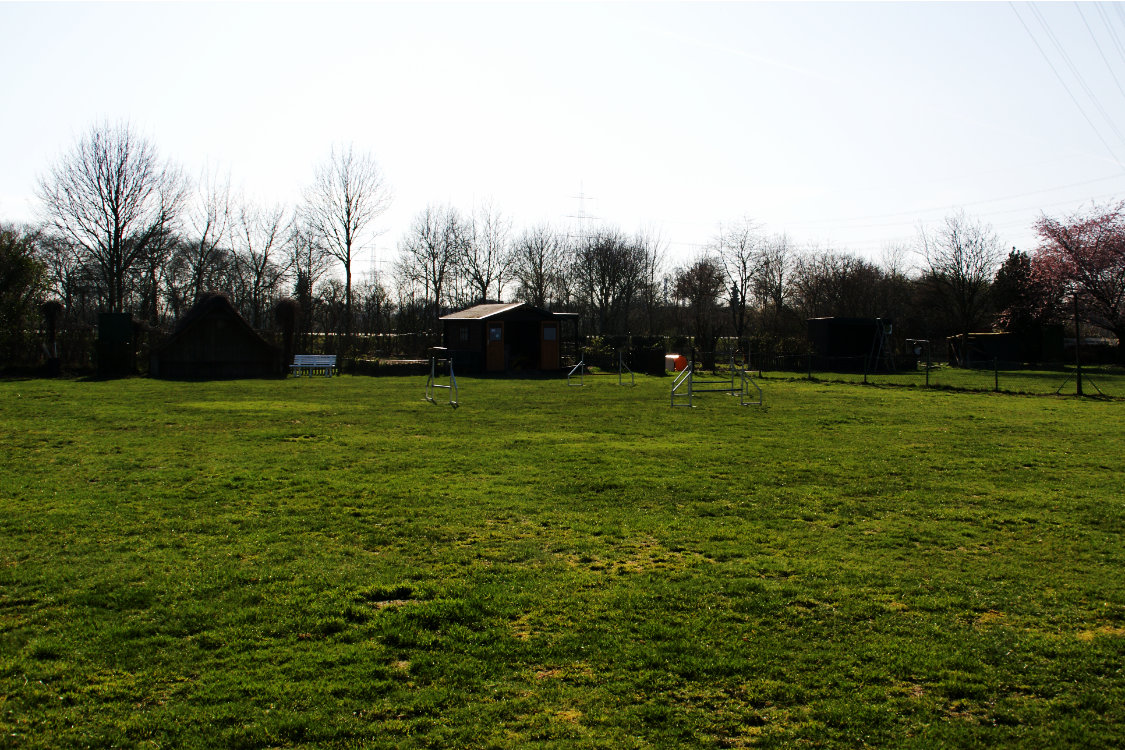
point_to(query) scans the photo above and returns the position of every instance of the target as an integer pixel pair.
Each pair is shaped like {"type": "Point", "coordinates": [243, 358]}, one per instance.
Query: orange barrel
{"type": "Point", "coordinates": [676, 362]}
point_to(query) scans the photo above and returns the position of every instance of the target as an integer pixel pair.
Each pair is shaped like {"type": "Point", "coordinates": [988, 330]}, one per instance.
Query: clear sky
{"type": "Point", "coordinates": [844, 125]}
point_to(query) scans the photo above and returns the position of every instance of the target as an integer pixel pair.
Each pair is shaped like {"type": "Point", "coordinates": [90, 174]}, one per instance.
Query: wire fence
{"type": "Point", "coordinates": [996, 376]}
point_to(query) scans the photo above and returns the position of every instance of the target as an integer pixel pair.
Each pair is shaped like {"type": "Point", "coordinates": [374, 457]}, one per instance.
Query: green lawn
{"type": "Point", "coordinates": [338, 563]}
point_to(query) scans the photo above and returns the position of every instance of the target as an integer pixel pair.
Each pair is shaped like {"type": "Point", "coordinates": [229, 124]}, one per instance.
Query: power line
{"type": "Point", "coordinates": [1120, 12]}
{"type": "Point", "coordinates": [908, 232]}
{"type": "Point", "coordinates": [1113, 35]}
{"type": "Point", "coordinates": [1075, 72]}
{"type": "Point", "coordinates": [1064, 84]}
{"type": "Point", "coordinates": [1098, 46]}
{"type": "Point", "coordinates": [915, 212]}
{"type": "Point", "coordinates": [1021, 209]}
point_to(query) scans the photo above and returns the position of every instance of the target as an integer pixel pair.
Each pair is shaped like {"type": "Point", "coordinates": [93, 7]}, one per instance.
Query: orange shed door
{"type": "Point", "coordinates": [549, 346]}
{"type": "Point", "coordinates": [494, 349]}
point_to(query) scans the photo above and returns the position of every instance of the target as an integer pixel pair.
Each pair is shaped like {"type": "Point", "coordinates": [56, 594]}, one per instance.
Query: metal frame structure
{"type": "Point", "coordinates": [432, 385]}
{"type": "Point", "coordinates": [881, 352]}
{"type": "Point", "coordinates": [1084, 379]}
{"type": "Point", "coordinates": [747, 380]}
{"type": "Point", "coordinates": [580, 370]}
{"type": "Point", "coordinates": [738, 384]}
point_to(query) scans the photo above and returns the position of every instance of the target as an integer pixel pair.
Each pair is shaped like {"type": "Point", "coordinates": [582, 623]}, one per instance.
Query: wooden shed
{"type": "Point", "coordinates": [1039, 343]}
{"type": "Point", "coordinates": [500, 337]}
{"type": "Point", "coordinates": [851, 344]}
{"type": "Point", "coordinates": [212, 341]}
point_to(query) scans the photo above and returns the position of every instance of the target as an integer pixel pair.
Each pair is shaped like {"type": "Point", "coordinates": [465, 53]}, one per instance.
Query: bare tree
{"type": "Point", "coordinates": [410, 292]}
{"type": "Point", "coordinates": [771, 279]}
{"type": "Point", "coordinates": [487, 255]}
{"type": "Point", "coordinates": [113, 198]}
{"type": "Point", "coordinates": [375, 306]}
{"type": "Point", "coordinates": [329, 306]}
{"type": "Point", "coordinates": [259, 237]}
{"type": "Point", "coordinates": [309, 261]}
{"type": "Point", "coordinates": [220, 274]}
{"type": "Point", "coordinates": [430, 253]}
{"type": "Point", "coordinates": [607, 271]}
{"type": "Point", "coordinates": [739, 249]}
{"type": "Point", "coordinates": [205, 251]}
{"type": "Point", "coordinates": [961, 258]}
{"type": "Point", "coordinates": [151, 278]}
{"type": "Point", "coordinates": [539, 265]}
{"type": "Point", "coordinates": [651, 254]}
{"type": "Point", "coordinates": [700, 284]}
{"type": "Point", "coordinates": [66, 274]}
{"type": "Point", "coordinates": [895, 261]}
{"type": "Point", "coordinates": [898, 289]}
{"type": "Point", "coordinates": [831, 283]}
{"type": "Point", "coordinates": [348, 194]}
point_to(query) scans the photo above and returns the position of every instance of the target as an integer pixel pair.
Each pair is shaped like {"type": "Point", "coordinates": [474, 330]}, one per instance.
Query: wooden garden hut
{"type": "Point", "coordinates": [851, 344]}
{"type": "Point", "coordinates": [501, 337]}
{"type": "Point", "coordinates": [212, 341]}
{"type": "Point", "coordinates": [1040, 343]}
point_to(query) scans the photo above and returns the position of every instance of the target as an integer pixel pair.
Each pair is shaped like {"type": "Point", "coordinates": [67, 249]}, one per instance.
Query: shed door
{"type": "Point", "coordinates": [549, 346]}
{"type": "Point", "coordinates": [494, 348]}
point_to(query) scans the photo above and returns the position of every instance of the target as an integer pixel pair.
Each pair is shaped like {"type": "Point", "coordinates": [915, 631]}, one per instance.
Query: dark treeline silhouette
{"type": "Point", "coordinates": [123, 230]}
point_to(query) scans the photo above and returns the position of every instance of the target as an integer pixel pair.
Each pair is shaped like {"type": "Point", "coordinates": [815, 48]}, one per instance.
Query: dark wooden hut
{"type": "Point", "coordinates": [850, 344]}
{"type": "Point", "coordinates": [1041, 343]}
{"type": "Point", "coordinates": [499, 337]}
{"type": "Point", "coordinates": [212, 341]}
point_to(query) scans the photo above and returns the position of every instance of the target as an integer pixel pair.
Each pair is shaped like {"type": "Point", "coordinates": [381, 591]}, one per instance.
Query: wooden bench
{"type": "Point", "coordinates": [313, 364]}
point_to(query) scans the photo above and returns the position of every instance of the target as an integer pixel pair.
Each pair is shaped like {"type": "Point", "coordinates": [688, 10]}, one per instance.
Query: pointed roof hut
{"type": "Point", "coordinates": [211, 341]}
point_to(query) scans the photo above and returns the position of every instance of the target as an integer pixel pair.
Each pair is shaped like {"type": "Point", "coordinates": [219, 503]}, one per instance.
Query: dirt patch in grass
{"type": "Point", "coordinates": [570, 716]}
{"type": "Point", "coordinates": [393, 603]}
{"type": "Point", "coordinates": [991, 617]}
{"type": "Point", "coordinates": [1105, 631]}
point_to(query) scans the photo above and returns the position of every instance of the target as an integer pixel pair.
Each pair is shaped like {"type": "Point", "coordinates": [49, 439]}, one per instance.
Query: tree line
{"type": "Point", "coordinates": [125, 230]}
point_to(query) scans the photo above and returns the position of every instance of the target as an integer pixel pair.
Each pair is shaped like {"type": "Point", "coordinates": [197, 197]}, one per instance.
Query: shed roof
{"type": "Point", "coordinates": [213, 304]}
{"type": "Point", "coordinates": [480, 312]}
{"type": "Point", "coordinates": [508, 311]}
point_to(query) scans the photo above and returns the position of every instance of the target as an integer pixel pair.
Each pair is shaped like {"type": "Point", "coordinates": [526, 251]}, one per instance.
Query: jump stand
{"type": "Point", "coordinates": [581, 370]}
{"type": "Point", "coordinates": [740, 384]}
{"type": "Point", "coordinates": [433, 384]}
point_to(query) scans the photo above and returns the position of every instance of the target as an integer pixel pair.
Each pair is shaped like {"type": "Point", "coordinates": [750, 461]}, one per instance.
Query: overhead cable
{"type": "Point", "coordinates": [1075, 72]}
{"type": "Point", "coordinates": [1098, 46]}
{"type": "Point", "coordinates": [1065, 86]}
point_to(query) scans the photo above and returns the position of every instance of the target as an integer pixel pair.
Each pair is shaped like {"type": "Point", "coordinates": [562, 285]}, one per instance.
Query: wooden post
{"type": "Point", "coordinates": [1077, 348]}
{"type": "Point", "coordinates": [929, 362]}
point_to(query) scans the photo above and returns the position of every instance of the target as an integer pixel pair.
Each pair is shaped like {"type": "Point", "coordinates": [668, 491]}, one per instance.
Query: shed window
{"type": "Point", "coordinates": [463, 334]}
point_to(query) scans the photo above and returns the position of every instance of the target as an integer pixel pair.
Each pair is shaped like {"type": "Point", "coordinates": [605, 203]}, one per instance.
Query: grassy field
{"type": "Point", "coordinates": [338, 563]}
